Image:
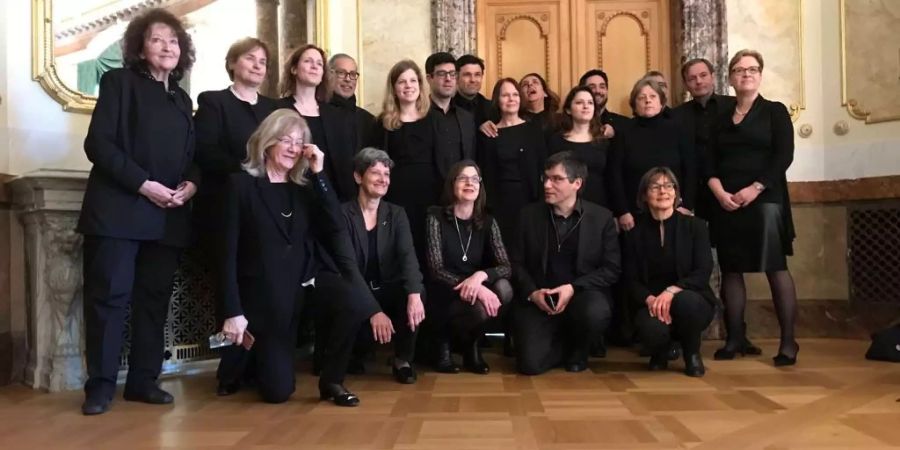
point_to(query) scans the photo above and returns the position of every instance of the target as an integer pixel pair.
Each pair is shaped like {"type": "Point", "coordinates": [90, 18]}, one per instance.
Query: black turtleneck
{"type": "Point", "coordinates": [642, 143]}
{"type": "Point", "coordinates": [361, 120]}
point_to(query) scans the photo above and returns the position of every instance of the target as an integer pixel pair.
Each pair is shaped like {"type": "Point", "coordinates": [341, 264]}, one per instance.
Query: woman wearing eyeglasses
{"type": "Point", "coordinates": [468, 267]}
{"type": "Point", "coordinates": [753, 230]}
{"type": "Point", "coordinates": [667, 262]}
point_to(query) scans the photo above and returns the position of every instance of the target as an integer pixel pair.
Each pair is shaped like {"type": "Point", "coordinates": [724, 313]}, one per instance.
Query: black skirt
{"type": "Point", "coordinates": [751, 239]}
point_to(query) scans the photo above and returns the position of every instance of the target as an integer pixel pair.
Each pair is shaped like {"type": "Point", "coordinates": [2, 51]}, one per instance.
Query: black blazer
{"type": "Point", "coordinates": [339, 143]}
{"type": "Point", "coordinates": [224, 125]}
{"type": "Point", "coordinates": [598, 263]}
{"type": "Point", "coordinates": [531, 164]}
{"type": "Point", "coordinates": [467, 136]}
{"type": "Point", "coordinates": [139, 131]}
{"type": "Point", "coordinates": [396, 255]}
{"type": "Point", "coordinates": [693, 257]}
{"type": "Point", "coordinates": [265, 262]}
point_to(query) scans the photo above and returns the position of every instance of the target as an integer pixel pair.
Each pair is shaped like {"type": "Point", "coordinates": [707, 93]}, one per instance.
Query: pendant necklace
{"type": "Point", "coordinates": [465, 249]}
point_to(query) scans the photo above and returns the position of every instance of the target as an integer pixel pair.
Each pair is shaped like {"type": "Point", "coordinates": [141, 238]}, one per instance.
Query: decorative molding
{"type": "Point", "coordinates": [643, 21]}
{"type": "Point", "coordinates": [854, 105]}
{"type": "Point", "coordinates": [836, 191]}
{"type": "Point", "coordinates": [541, 20]}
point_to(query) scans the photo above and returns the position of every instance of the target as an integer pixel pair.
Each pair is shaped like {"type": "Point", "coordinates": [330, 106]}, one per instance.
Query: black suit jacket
{"type": "Point", "coordinates": [397, 261]}
{"type": "Point", "coordinates": [598, 263]}
{"type": "Point", "coordinates": [467, 136]}
{"type": "Point", "coordinates": [693, 257]}
{"type": "Point", "coordinates": [224, 125]}
{"type": "Point", "coordinates": [265, 262]}
{"type": "Point", "coordinates": [139, 131]}
{"type": "Point", "coordinates": [339, 146]}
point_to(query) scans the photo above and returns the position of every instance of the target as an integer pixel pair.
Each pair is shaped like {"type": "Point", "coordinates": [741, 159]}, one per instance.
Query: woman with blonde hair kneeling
{"type": "Point", "coordinates": [280, 212]}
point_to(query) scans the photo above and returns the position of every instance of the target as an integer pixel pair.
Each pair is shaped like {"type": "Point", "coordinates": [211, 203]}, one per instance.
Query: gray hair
{"type": "Point", "coordinates": [651, 176]}
{"type": "Point", "coordinates": [368, 157]}
{"type": "Point", "coordinates": [337, 56]}
{"type": "Point", "coordinates": [280, 123]}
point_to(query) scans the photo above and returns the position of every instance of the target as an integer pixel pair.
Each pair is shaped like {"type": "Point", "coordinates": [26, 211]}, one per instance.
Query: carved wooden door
{"type": "Point", "coordinates": [561, 39]}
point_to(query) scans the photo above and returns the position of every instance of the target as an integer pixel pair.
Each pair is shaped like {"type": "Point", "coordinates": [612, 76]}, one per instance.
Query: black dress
{"type": "Point", "coordinates": [415, 179]}
{"type": "Point", "coordinates": [643, 143]}
{"type": "Point", "coordinates": [511, 166]}
{"type": "Point", "coordinates": [755, 238]}
{"type": "Point", "coordinates": [595, 155]}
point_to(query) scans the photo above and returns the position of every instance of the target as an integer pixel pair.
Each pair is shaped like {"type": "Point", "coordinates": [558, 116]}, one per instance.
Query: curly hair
{"type": "Point", "coordinates": [136, 33]}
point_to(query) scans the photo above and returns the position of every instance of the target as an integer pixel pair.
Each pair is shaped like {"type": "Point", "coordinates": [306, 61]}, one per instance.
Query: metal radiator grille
{"type": "Point", "coordinates": [874, 253]}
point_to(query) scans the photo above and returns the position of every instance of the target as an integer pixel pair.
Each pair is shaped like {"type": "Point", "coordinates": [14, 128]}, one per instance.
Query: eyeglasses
{"type": "Point", "coordinates": [464, 179]}
{"type": "Point", "coordinates": [445, 74]}
{"type": "Point", "coordinates": [656, 187]}
{"type": "Point", "coordinates": [287, 142]}
{"type": "Point", "coordinates": [752, 70]}
{"type": "Point", "coordinates": [344, 74]}
{"type": "Point", "coordinates": [555, 179]}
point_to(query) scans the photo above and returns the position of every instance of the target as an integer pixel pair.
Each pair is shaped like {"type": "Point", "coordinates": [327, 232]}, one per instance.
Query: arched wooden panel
{"type": "Point", "coordinates": [623, 63]}
{"type": "Point", "coordinates": [522, 47]}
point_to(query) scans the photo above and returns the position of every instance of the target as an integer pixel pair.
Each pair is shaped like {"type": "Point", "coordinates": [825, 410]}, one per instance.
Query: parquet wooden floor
{"type": "Point", "coordinates": [834, 399]}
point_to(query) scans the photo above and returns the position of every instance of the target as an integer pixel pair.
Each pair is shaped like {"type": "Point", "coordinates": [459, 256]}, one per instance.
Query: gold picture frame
{"type": "Point", "coordinates": [853, 96]}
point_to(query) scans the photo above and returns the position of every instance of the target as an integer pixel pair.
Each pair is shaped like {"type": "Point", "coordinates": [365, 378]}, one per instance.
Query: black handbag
{"type": "Point", "coordinates": [885, 345]}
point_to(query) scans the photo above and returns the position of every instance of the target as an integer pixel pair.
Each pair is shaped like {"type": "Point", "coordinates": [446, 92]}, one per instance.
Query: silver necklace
{"type": "Point", "coordinates": [288, 215]}
{"type": "Point", "coordinates": [465, 249]}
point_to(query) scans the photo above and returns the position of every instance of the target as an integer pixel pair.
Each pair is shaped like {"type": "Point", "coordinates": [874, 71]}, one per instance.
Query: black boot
{"type": "Point", "coordinates": [659, 360]}
{"type": "Point", "coordinates": [693, 365]}
{"type": "Point", "coordinates": [472, 360]}
{"type": "Point", "coordinates": [443, 361]}
{"type": "Point", "coordinates": [338, 394]}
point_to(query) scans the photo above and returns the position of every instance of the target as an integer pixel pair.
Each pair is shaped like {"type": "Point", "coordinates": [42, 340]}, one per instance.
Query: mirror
{"type": "Point", "coordinates": [75, 42]}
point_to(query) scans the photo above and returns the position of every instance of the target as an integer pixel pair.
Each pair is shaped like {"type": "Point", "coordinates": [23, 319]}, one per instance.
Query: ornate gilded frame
{"type": "Point", "coordinates": [43, 66]}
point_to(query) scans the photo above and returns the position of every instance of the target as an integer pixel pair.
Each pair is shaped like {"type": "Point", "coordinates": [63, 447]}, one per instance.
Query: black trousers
{"type": "Point", "coordinates": [691, 314]}
{"type": "Point", "coordinates": [544, 341]}
{"type": "Point", "coordinates": [393, 300]}
{"type": "Point", "coordinates": [270, 362]}
{"type": "Point", "coordinates": [339, 316]}
{"type": "Point", "coordinates": [119, 272]}
{"type": "Point", "coordinates": [460, 323]}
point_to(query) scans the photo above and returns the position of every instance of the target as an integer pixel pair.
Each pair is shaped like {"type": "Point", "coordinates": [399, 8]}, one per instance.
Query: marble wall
{"type": "Point", "coordinates": [391, 31]}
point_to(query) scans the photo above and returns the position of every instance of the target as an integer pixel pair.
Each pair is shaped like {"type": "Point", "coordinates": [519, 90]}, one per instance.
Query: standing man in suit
{"type": "Point", "coordinates": [455, 127]}
{"type": "Point", "coordinates": [470, 70]}
{"type": "Point", "coordinates": [564, 263]}
{"type": "Point", "coordinates": [698, 114]}
{"type": "Point", "coordinates": [344, 76]}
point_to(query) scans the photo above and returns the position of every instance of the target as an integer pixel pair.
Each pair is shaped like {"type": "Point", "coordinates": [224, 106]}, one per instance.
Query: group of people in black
{"type": "Point", "coordinates": [446, 215]}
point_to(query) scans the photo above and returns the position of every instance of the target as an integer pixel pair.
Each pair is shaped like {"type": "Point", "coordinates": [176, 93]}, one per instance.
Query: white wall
{"type": "Point", "coordinates": [36, 133]}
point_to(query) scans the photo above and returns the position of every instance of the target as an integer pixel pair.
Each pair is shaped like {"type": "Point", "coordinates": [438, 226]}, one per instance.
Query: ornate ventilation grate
{"type": "Point", "coordinates": [874, 253]}
{"type": "Point", "coordinates": [191, 315]}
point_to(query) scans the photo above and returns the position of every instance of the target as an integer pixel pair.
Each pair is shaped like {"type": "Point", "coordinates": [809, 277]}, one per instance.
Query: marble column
{"type": "Point", "coordinates": [453, 26]}
{"type": "Point", "coordinates": [267, 31]}
{"type": "Point", "coordinates": [48, 204]}
{"type": "Point", "coordinates": [704, 34]}
{"type": "Point", "coordinates": [294, 30]}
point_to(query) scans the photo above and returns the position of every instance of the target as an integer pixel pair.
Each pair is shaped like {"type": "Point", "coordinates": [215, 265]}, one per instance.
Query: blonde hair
{"type": "Point", "coordinates": [289, 78]}
{"type": "Point", "coordinates": [390, 108]}
{"type": "Point", "coordinates": [280, 123]}
{"type": "Point", "coordinates": [742, 53]}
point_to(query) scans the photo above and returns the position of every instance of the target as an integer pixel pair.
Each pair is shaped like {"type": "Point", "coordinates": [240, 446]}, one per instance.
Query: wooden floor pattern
{"type": "Point", "coordinates": [834, 399]}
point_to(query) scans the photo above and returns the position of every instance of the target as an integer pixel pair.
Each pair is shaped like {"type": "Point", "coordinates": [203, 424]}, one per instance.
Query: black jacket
{"type": "Point", "coordinates": [224, 124]}
{"type": "Point", "coordinates": [360, 120]}
{"type": "Point", "coordinates": [467, 136]}
{"type": "Point", "coordinates": [265, 262]}
{"type": "Point", "coordinates": [338, 146]}
{"type": "Point", "coordinates": [139, 131]}
{"type": "Point", "coordinates": [598, 263]}
{"type": "Point", "coordinates": [396, 255]}
{"type": "Point", "coordinates": [693, 257]}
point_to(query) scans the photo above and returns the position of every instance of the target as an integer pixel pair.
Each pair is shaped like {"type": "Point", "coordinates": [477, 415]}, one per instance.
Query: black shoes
{"type": "Point", "coordinates": [95, 404]}
{"type": "Point", "coordinates": [338, 394]}
{"type": "Point", "coordinates": [226, 389]}
{"type": "Point", "coordinates": [693, 365]}
{"type": "Point", "coordinates": [576, 366]}
{"type": "Point", "coordinates": [151, 394]}
{"type": "Point", "coordinates": [781, 360]}
{"type": "Point", "coordinates": [404, 375]}
{"type": "Point", "coordinates": [443, 361]}
{"type": "Point", "coordinates": [659, 361]}
{"type": "Point", "coordinates": [473, 362]}
{"type": "Point", "coordinates": [746, 348]}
